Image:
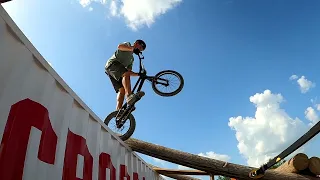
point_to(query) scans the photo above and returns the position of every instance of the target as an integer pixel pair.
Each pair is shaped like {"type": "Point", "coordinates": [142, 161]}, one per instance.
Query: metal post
{"type": "Point", "coordinates": [211, 177]}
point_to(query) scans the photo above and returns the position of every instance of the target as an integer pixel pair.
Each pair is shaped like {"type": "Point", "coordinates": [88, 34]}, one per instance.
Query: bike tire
{"type": "Point", "coordinates": [157, 91]}
{"type": "Point", "coordinates": [131, 129]}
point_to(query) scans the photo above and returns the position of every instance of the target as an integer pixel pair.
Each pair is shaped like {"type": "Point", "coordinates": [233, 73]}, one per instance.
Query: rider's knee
{"type": "Point", "coordinates": [126, 74]}
{"type": "Point", "coordinates": [121, 90]}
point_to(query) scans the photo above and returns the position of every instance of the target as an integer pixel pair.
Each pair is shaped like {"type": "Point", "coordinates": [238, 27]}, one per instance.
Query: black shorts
{"type": "Point", "coordinates": [115, 72]}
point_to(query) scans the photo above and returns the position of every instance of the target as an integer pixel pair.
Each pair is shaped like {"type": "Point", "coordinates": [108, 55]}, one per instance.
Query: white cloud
{"type": "Point", "coordinates": [312, 115]}
{"type": "Point", "coordinates": [293, 77]}
{"type": "Point", "coordinates": [85, 3]}
{"type": "Point", "coordinates": [314, 100]}
{"type": "Point", "coordinates": [159, 161]}
{"type": "Point", "coordinates": [113, 8]}
{"type": "Point", "coordinates": [268, 133]}
{"type": "Point", "coordinates": [184, 167]}
{"type": "Point", "coordinates": [213, 155]}
{"type": "Point", "coordinates": [144, 12]}
{"type": "Point", "coordinates": [304, 84]}
{"type": "Point", "coordinates": [139, 12]}
{"type": "Point", "coordinates": [318, 107]}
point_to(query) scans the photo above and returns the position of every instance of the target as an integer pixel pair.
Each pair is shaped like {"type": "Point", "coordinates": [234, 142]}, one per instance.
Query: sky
{"type": "Point", "coordinates": [250, 68]}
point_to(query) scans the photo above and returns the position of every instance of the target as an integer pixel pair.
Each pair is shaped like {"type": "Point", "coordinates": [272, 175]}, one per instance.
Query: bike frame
{"type": "Point", "coordinates": [142, 78]}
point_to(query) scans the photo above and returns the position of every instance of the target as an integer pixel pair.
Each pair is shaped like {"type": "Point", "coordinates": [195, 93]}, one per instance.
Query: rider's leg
{"type": "Point", "coordinates": [120, 77]}
{"type": "Point", "coordinates": [120, 98]}
{"type": "Point", "coordinates": [126, 83]}
{"type": "Point", "coordinates": [127, 86]}
{"type": "Point", "coordinates": [114, 72]}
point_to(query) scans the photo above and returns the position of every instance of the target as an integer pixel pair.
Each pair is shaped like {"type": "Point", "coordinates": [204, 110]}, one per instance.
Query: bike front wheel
{"type": "Point", "coordinates": [166, 82]}
{"type": "Point", "coordinates": [128, 133]}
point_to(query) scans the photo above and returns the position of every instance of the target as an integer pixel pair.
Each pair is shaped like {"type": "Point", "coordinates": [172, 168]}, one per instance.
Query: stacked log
{"type": "Point", "coordinates": [314, 165]}
{"type": "Point", "coordinates": [296, 164]}
{"type": "Point", "coordinates": [301, 164]}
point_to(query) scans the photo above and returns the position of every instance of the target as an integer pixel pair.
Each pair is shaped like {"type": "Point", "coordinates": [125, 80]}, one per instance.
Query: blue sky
{"type": "Point", "coordinates": [226, 50]}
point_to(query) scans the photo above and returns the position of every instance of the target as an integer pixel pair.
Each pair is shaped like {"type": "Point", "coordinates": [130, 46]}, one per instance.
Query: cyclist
{"type": "Point", "coordinates": [119, 70]}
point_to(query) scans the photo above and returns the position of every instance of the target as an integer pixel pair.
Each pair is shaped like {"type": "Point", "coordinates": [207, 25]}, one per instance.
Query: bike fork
{"type": "Point", "coordinates": [123, 118]}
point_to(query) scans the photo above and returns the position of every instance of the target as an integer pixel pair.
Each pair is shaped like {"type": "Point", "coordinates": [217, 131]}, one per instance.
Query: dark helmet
{"type": "Point", "coordinates": [142, 43]}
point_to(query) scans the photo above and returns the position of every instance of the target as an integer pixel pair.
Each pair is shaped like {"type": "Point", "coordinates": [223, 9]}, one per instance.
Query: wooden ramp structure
{"type": "Point", "coordinates": [208, 166]}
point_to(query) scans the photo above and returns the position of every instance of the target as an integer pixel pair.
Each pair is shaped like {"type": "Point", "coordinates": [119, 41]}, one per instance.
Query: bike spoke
{"type": "Point", "coordinates": [170, 82]}
{"type": "Point", "coordinates": [112, 124]}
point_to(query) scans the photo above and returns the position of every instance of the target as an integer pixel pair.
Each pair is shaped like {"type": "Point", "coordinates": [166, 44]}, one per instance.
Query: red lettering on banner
{"type": "Point", "coordinates": [124, 172]}
{"type": "Point", "coordinates": [26, 114]}
{"type": "Point", "coordinates": [22, 116]}
{"type": "Point", "coordinates": [135, 176]}
{"type": "Point", "coordinates": [105, 162]}
{"type": "Point", "coordinates": [76, 145]}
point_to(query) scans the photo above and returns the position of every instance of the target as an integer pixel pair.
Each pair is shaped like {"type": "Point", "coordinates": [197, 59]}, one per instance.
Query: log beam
{"type": "Point", "coordinates": [171, 175]}
{"type": "Point", "coordinates": [206, 164]}
{"type": "Point", "coordinates": [181, 172]}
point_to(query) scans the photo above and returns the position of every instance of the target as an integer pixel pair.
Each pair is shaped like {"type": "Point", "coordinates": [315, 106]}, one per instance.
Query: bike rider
{"type": "Point", "coordinates": [119, 70]}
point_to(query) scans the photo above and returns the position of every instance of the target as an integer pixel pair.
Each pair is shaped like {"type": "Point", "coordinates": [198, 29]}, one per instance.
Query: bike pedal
{"type": "Point", "coordinates": [142, 94]}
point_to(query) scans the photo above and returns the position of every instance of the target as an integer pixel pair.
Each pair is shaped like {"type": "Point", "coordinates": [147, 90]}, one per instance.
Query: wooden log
{"type": "Point", "coordinates": [307, 172]}
{"type": "Point", "coordinates": [314, 165]}
{"type": "Point", "coordinates": [296, 164]}
{"type": "Point", "coordinates": [181, 172]}
{"type": "Point", "coordinates": [209, 165]}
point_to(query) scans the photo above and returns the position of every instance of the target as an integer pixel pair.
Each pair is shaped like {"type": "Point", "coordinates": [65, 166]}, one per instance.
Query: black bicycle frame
{"type": "Point", "coordinates": [142, 77]}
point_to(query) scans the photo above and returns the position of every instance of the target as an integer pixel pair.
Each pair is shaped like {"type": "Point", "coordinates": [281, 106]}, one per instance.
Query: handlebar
{"type": "Point", "coordinates": [140, 53]}
{"type": "Point", "coordinates": [141, 67]}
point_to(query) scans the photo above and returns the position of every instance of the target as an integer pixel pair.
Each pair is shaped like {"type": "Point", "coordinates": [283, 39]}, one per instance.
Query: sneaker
{"type": "Point", "coordinates": [134, 97]}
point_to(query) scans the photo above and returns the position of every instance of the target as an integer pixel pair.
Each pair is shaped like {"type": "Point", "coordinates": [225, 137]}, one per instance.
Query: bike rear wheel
{"type": "Point", "coordinates": [129, 132]}
{"type": "Point", "coordinates": [158, 80]}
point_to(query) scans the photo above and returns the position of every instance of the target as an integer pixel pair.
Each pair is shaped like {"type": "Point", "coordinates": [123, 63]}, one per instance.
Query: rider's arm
{"type": "Point", "coordinates": [131, 72]}
{"type": "Point", "coordinates": [125, 47]}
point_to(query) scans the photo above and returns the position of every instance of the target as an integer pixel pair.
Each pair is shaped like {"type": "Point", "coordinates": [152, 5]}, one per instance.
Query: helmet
{"type": "Point", "coordinates": [142, 43]}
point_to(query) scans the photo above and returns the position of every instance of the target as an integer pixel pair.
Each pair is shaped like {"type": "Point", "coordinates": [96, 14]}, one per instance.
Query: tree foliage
{"type": "Point", "coordinates": [278, 164]}
{"type": "Point", "coordinates": [223, 178]}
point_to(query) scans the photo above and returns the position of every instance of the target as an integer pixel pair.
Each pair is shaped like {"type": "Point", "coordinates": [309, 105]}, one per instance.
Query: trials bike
{"type": "Point", "coordinates": [127, 109]}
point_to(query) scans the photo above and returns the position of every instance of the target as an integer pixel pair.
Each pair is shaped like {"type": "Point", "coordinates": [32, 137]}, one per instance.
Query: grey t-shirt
{"type": "Point", "coordinates": [124, 57]}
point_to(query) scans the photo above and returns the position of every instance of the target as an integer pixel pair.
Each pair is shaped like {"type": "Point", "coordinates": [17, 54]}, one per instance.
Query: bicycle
{"type": "Point", "coordinates": [127, 109]}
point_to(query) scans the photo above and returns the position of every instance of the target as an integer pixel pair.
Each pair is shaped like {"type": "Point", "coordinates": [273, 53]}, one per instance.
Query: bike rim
{"type": "Point", "coordinates": [113, 126]}
{"type": "Point", "coordinates": [161, 81]}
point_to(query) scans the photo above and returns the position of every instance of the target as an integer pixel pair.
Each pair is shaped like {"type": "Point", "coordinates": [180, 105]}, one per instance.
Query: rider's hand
{"type": "Point", "coordinates": [133, 73]}
{"type": "Point", "coordinates": [136, 51]}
